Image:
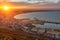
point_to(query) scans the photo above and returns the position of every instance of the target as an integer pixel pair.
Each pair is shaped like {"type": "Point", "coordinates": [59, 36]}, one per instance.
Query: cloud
{"type": "Point", "coordinates": [54, 1]}
{"type": "Point", "coordinates": [36, 1]}
{"type": "Point", "coordinates": [18, 0]}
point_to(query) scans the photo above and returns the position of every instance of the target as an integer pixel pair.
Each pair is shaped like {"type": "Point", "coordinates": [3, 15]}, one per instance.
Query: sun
{"type": "Point", "coordinates": [6, 7]}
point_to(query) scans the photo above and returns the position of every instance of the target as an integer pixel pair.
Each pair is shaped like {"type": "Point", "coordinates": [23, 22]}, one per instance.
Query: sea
{"type": "Point", "coordinates": [45, 16]}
